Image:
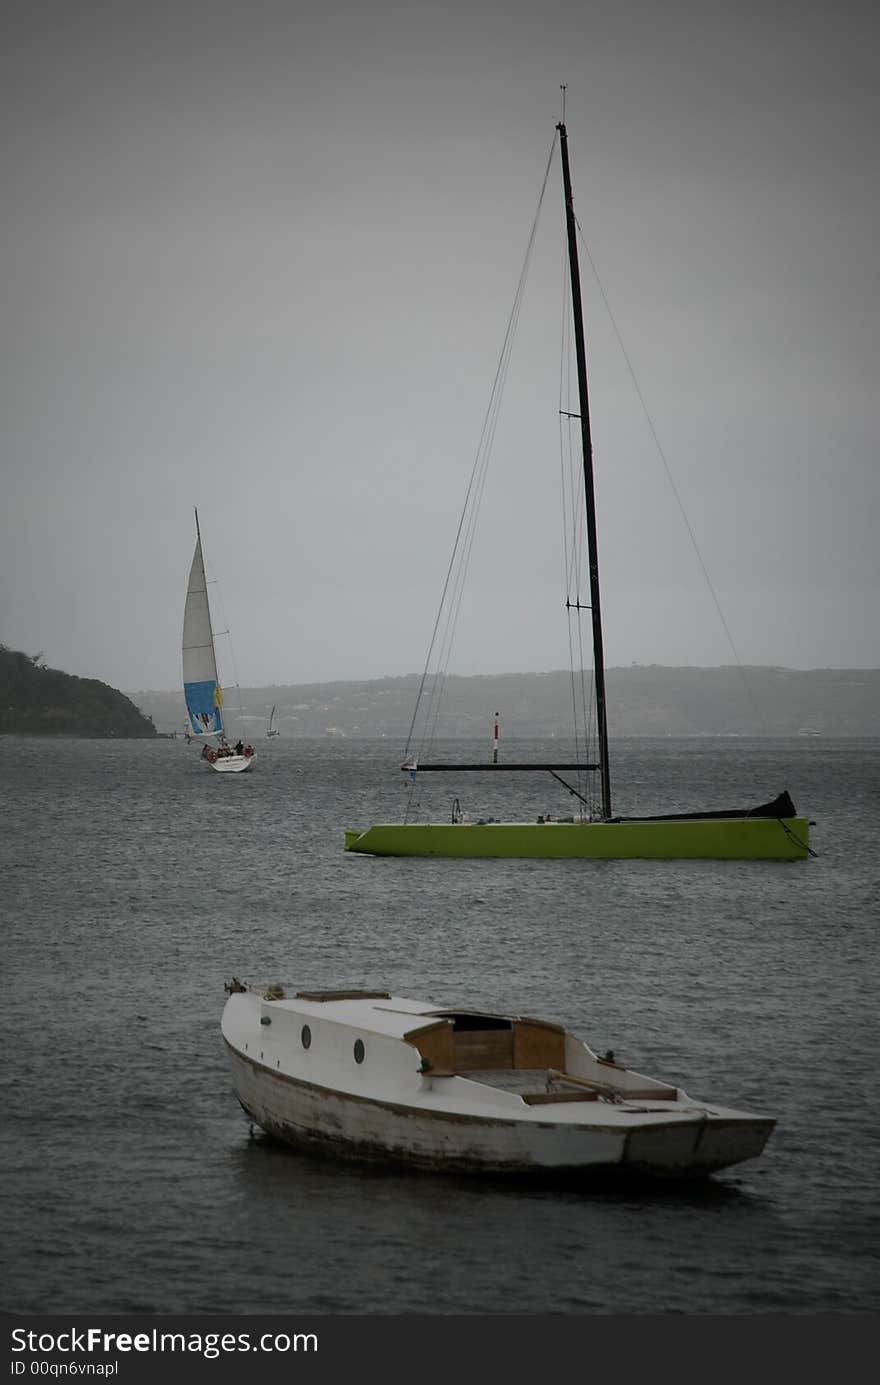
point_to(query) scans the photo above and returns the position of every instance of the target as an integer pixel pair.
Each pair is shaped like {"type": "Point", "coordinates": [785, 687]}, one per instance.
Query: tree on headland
{"type": "Point", "coordinates": [42, 701]}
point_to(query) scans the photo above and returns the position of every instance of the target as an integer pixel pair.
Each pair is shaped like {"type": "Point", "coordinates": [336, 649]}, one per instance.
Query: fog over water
{"type": "Point", "coordinates": [259, 258]}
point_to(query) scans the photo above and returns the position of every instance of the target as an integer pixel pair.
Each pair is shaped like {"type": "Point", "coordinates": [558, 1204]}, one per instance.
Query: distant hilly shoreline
{"type": "Point", "coordinates": [643, 700]}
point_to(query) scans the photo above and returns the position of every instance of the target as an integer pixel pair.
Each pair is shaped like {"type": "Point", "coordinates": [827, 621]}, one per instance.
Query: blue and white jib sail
{"type": "Point", "coordinates": [201, 687]}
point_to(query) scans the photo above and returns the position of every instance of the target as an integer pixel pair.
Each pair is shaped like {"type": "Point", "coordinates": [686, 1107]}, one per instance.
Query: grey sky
{"type": "Point", "coordinates": [259, 257]}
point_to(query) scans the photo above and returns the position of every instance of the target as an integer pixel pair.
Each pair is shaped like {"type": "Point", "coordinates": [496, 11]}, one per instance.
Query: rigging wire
{"type": "Point", "coordinates": [675, 491]}
{"type": "Point", "coordinates": [228, 633]}
{"type": "Point", "coordinates": [443, 633]}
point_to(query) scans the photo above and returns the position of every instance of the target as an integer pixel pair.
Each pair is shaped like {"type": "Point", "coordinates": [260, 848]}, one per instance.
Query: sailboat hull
{"type": "Point", "coordinates": [231, 764]}
{"type": "Point", "coordinates": [721, 839]}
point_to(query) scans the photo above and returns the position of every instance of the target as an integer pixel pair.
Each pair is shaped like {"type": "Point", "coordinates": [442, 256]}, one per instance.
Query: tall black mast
{"type": "Point", "coordinates": [589, 489]}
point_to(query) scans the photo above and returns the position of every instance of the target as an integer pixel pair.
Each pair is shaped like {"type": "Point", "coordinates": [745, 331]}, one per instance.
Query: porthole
{"type": "Point", "coordinates": [359, 1050]}
{"type": "Point", "coordinates": [306, 1036]}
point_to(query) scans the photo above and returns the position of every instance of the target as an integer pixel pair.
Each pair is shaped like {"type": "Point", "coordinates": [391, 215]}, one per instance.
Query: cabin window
{"type": "Point", "coordinates": [306, 1036]}
{"type": "Point", "coordinates": [359, 1050]}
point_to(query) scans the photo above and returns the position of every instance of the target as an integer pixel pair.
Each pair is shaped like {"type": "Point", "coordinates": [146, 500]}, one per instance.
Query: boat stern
{"type": "Point", "coordinates": [688, 1148]}
{"type": "Point", "coordinates": [232, 764]}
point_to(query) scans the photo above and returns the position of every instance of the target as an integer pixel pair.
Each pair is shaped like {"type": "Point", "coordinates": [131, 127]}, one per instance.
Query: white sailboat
{"type": "Point", "coordinates": [271, 730]}
{"type": "Point", "coordinates": [201, 686]}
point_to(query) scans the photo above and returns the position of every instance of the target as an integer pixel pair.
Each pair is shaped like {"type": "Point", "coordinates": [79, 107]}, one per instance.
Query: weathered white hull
{"type": "Point", "coordinates": [445, 1122]}
{"type": "Point", "coordinates": [358, 1127]}
{"type": "Point", "coordinates": [231, 764]}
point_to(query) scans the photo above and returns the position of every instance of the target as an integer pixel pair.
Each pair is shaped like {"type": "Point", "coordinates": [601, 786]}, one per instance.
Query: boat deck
{"type": "Point", "coordinates": [534, 1085]}
{"type": "Point", "coordinates": [518, 1080]}
{"type": "Point", "coordinates": [548, 1086]}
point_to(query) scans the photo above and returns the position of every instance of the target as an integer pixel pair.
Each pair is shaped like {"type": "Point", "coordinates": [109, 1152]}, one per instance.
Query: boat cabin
{"type": "Point", "coordinates": [511, 1053]}
{"type": "Point", "coordinates": [461, 1042]}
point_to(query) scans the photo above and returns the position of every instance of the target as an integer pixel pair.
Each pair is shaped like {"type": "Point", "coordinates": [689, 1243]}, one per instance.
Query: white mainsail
{"type": "Point", "coordinates": [201, 688]}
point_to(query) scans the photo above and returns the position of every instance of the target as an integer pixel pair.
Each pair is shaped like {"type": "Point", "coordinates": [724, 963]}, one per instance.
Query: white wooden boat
{"type": "Point", "coordinates": [201, 685]}
{"type": "Point", "coordinates": [365, 1074]}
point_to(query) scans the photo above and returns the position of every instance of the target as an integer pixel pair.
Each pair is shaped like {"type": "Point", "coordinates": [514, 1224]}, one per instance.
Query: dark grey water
{"type": "Point", "coordinates": [135, 882]}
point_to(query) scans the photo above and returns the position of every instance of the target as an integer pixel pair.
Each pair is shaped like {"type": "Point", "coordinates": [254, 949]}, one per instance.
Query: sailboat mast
{"type": "Point", "coordinates": [589, 488]}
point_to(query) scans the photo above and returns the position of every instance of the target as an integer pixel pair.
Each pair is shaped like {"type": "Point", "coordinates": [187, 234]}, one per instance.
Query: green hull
{"type": "Point", "coordinates": [718, 839]}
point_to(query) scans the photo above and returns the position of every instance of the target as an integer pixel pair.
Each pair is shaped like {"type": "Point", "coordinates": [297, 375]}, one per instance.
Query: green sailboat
{"type": "Point", "coordinates": [771, 831]}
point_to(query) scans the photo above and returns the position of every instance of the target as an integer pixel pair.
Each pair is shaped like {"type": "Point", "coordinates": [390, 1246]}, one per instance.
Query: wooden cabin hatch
{"type": "Point", "coordinates": [462, 1043]}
